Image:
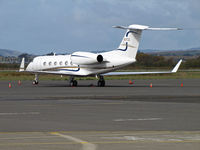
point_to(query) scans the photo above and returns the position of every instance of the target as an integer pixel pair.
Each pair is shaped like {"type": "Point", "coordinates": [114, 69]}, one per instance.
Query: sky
{"type": "Point", "coordinates": [65, 26]}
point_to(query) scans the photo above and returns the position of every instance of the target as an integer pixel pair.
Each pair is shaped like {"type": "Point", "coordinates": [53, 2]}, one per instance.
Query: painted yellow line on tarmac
{"type": "Point", "coordinates": [97, 142]}
{"type": "Point", "coordinates": [45, 143]}
{"type": "Point", "coordinates": [112, 132]}
{"type": "Point", "coordinates": [132, 132]}
{"type": "Point", "coordinates": [121, 142]}
{"type": "Point", "coordinates": [84, 142]}
{"type": "Point", "coordinates": [22, 132]}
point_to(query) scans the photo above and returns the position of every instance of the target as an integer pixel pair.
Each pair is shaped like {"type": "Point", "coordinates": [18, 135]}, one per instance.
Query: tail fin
{"type": "Point", "coordinates": [130, 42]}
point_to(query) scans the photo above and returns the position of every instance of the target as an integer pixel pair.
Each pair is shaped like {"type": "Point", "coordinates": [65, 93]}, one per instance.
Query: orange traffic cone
{"type": "Point", "coordinates": [151, 85]}
{"type": "Point", "coordinates": [130, 82]}
{"type": "Point", "coordinates": [9, 85]}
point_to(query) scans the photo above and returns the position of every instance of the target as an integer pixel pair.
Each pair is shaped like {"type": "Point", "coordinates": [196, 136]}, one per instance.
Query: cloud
{"type": "Point", "coordinates": [41, 26]}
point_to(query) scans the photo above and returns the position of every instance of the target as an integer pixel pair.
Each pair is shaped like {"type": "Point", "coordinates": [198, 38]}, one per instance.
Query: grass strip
{"type": "Point", "coordinates": [13, 75]}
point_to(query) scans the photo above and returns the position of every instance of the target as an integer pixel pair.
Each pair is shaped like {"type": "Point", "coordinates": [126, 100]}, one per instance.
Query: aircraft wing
{"type": "Point", "coordinates": [174, 70]}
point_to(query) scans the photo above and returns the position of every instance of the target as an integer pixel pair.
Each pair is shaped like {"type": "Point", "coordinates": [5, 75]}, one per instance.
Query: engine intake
{"type": "Point", "coordinates": [100, 58]}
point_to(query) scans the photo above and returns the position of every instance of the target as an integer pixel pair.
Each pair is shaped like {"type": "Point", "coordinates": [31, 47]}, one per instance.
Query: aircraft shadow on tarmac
{"type": "Point", "coordinates": [107, 86]}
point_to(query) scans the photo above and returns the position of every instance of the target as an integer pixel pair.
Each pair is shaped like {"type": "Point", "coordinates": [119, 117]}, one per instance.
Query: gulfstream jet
{"type": "Point", "coordinates": [82, 64]}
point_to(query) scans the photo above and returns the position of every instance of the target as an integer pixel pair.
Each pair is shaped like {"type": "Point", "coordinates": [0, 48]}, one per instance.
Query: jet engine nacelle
{"type": "Point", "coordinates": [86, 58]}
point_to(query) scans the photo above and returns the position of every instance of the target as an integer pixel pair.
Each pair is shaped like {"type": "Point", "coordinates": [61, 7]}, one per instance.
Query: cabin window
{"type": "Point", "coordinates": [61, 63]}
{"type": "Point", "coordinates": [55, 63]}
{"type": "Point", "coordinates": [50, 63]}
{"type": "Point", "coordinates": [66, 63]}
{"type": "Point", "coordinates": [44, 63]}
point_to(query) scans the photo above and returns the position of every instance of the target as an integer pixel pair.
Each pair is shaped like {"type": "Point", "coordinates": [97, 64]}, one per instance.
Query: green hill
{"type": "Point", "coordinates": [6, 52]}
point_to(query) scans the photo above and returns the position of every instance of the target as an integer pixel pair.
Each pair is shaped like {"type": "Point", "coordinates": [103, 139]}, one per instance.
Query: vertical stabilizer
{"type": "Point", "coordinates": [130, 42]}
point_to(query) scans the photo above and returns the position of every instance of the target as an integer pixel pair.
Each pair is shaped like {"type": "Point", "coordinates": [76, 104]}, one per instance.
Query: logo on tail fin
{"type": "Point", "coordinates": [127, 39]}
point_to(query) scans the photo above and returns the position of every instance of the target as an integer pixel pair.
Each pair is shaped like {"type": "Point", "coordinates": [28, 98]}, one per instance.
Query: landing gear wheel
{"type": "Point", "coordinates": [101, 82]}
{"type": "Point", "coordinates": [35, 82]}
{"type": "Point", "coordinates": [73, 83]}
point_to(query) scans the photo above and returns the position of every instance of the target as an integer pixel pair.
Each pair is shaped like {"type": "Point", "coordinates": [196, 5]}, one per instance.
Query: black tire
{"type": "Point", "coordinates": [71, 83]}
{"type": "Point", "coordinates": [101, 83]}
{"type": "Point", "coordinates": [75, 83]}
{"type": "Point", "coordinates": [35, 82]}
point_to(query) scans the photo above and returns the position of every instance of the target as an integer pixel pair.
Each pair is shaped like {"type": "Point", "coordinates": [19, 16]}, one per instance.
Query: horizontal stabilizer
{"type": "Point", "coordinates": [142, 27]}
{"type": "Point", "coordinates": [164, 29]}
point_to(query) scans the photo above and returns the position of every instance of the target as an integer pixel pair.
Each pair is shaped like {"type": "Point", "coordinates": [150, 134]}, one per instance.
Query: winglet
{"type": "Point", "coordinates": [21, 69]}
{"type": "Point", "coordinates": [177, 66]}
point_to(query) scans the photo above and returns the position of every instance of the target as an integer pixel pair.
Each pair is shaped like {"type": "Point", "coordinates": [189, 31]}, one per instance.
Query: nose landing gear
{"type": "Point", "coordinates": [35, 81]}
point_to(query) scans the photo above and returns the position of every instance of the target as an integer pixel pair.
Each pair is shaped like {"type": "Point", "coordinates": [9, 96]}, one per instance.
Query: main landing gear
{"type": "Point", "coordinates": [35, 81]}
{"type": "Point", "coordinates": [101, 82]}
{"type": "Point", "coordinates": [72, 82]}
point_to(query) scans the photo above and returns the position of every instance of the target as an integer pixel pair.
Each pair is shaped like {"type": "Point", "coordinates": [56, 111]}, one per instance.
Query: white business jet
{"type": "Point", "coordinates": [82, 64]}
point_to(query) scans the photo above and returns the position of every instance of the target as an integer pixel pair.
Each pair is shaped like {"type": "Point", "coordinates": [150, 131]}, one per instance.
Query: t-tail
{"type": "Point", "coordinates": [130, 42]}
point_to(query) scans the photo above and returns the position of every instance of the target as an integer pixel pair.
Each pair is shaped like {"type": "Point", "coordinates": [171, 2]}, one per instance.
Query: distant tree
{"type": "Point", "coordinates": [25, 55]}
{"type": "Point", "coordinates": [7, 66]}
{"type": "Point", "coordinates": [50, 54]}
{"type": "Point", "coordinates": [147, 60]}
{"type": "Point", "coordinates": [192, 63]}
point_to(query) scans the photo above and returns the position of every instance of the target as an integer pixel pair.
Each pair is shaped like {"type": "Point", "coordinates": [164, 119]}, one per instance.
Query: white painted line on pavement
{"type": "Point", "coordinates": [85, 145]}
{"type": "Point", "coordinates": [19, 113]}
{"type": "Point", "coordinates": [139, 119]}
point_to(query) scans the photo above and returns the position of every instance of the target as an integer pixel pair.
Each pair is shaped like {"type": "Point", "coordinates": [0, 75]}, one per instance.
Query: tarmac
{"type": "Point", "coordinates": [126, 116]}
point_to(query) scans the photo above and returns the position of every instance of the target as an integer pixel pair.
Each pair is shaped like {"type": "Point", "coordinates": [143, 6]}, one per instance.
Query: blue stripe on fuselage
{"type": "Point", "coordinates": [69, 70]}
